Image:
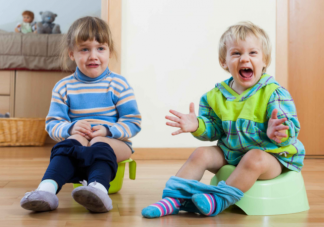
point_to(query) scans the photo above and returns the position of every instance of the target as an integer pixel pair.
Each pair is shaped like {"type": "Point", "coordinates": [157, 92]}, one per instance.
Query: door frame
{"type": "Point", "coordinates": [282, 37]}
{"type": "Point", "coordinates": [111, 12]}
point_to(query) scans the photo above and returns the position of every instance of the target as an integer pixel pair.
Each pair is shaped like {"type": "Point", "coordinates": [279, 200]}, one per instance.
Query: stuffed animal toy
{"type": "Point", "coordinates": [46, 26]}
{"type": "Point", "coordinates": [6, 115]}
{"type": "Point", "coordinates": [27, 25]}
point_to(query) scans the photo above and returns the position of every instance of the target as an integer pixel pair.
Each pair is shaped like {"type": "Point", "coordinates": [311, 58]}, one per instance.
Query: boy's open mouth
{"type": "Point", "coordinates": [246, 72]}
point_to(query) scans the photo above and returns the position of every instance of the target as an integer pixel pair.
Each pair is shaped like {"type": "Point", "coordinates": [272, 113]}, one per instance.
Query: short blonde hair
{"type": "Point", "coordinates": [239, 31]}
{"type": "Point", "coordinates": [83, 29]}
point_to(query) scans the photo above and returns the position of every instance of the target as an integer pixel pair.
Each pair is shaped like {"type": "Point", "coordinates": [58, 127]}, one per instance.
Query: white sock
{"type": "Point", "coordinates": [48, 186]}
{"type": "Point", "coordinates": [99, 186]}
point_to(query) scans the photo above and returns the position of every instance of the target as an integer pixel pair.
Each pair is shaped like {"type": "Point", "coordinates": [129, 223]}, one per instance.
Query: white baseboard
{"type": "Point", "coordinates": [162, 153]}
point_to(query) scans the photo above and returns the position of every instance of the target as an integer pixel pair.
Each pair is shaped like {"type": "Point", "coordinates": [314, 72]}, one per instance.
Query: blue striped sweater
{"type": "Point", "coordinates": [106, 100]}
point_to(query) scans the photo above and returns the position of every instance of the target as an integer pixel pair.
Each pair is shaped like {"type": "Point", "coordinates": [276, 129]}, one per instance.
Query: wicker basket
{"type": "Point", "coordinates": [22, 132]}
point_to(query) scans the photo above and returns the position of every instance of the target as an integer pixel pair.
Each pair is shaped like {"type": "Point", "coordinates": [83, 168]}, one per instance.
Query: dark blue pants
{"type": "Point", "coordinates": [71, 162]}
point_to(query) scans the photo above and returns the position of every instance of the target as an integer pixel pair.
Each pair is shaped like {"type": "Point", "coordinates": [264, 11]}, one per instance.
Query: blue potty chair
{"type": "Point", "coordinates": [284, 194]}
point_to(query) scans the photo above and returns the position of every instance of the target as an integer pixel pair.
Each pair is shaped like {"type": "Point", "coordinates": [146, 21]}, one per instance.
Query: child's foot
{"type": "Point", "coordinates": [93, 199]}
{"type": "Point", "coordinates": [164, 207]}
{"type": "Point", "coordinates": [39, 201]}
{"type": "Point", "coordinates": [205, 203]}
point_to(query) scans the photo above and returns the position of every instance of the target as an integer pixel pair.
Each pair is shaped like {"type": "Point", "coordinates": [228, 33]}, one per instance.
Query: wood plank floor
{"type": "Point", "coordinates": [22, 168]}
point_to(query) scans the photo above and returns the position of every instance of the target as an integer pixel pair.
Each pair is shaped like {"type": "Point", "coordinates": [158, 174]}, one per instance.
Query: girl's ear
{"type": "Point", "coordinates": [71, 55]}
{"type": "Point", "coordinates": [110, 53]}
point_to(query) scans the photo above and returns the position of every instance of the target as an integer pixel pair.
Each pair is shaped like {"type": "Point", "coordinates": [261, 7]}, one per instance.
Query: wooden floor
{"type": "Point", "coordinates": [22, 168]}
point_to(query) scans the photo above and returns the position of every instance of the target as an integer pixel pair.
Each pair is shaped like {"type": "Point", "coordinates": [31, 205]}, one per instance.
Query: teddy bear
{"type": "Point", "coordinates": [6, 115]}
{"type": "Point", "coordinates": [27, 25]}
{"type": "Point", "coordinates": [46, 26]}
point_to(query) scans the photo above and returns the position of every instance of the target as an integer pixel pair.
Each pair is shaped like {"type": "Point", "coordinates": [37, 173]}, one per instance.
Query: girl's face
{"type": "Point", "coordinates": [244, 60]}
{"type": "Point", "coordinates": [91, 57]}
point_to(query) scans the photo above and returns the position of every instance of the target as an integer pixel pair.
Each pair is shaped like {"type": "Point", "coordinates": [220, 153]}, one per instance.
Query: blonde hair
{"type": "Point", "coordinates": [83, 29]}
{"type": "Point", "coordinates": [239, 31]}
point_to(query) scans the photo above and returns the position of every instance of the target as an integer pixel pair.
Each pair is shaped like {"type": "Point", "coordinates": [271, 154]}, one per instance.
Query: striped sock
{"type": "Point", "coordinates": [164, 207]}
{"type": "Point", "coordinates": [205, 203]}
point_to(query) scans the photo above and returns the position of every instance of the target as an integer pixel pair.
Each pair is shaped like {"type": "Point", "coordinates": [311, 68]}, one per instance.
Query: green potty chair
{"type": "Point", "coordinates": [117, 183]}
{"type": "Point", "coordinates": [284, 194]}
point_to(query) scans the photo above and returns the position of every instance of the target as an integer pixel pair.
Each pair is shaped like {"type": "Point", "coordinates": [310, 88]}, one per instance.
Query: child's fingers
{"type": "Point", "coordinates": [280, 134]}
{"type": "Point", "coordinates": [177, 132]}
{"type": "Point", "coordinates": [281, 127]}
{"type": "Point", "coordinates": [175, 119]}
{"type": "Point", "coordinates": [173, 124]}
{"type": "Point", "coordinates": [276, 139]}
{"type": "Point", "coordinates": [84, 135]}
{"type": "Point", "coordinates": [84, 131]}
{"type": "Point", "coordinates": [95, 128]}
{"type": "Point", "coordinates": [274, 114]}
{"type": "Point", "coordinates": [80, 122]}
{"type": "Point", "coordinates": [85, 125]}
{"type": "Point", "coordinates": [280, 121]}
{"type": "Point", "coordinates": [192, 108]}
{"type": "Point", "coordinates": [96, 133]}
{"type": "Point", "coordinates": [178, 114]}
{"type": "Point", "coordinates": [88, 125]}
{"type": "Point", "coordinates": [80, 133]}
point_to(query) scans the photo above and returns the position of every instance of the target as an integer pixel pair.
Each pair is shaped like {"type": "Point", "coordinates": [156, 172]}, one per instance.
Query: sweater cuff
{"type": "Point", "coordinates": [115, 133]}
{"type": "Point", "coordinates": [62, 133]}
{"type": "Point", "coordinates": [109, 134]}
{"type": "Point", "coordinates": [69, 129]}
{"type": "Point", "coordinates": [201, 128]}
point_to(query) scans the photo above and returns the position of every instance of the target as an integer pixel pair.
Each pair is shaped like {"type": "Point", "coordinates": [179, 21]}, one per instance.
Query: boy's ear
{"type": "Point", "coordinates": [71, 55]}
{"type": "Point", "coordinates": [264, 65]}
{"type": "Point", "coordinates": [224, 65]}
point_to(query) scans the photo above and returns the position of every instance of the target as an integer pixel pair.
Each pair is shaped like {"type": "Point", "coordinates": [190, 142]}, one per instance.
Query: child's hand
{"type": "Point", "coordinates": [276, 130]}
{"type": "Point", "coordinates": [186, 122]}
{"type": "Point", "coordinates": [99, 130]}
{"type": "Point", "coordinates": [82, 128]}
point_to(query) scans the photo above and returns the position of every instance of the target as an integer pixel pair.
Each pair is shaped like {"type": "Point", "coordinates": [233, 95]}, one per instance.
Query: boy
{"type": "Point", "coordinates": [242, 114]}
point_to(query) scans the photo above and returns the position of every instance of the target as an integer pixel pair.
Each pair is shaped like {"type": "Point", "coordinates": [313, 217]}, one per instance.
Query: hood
{"type": "Point", "coordinates": [231, 95]}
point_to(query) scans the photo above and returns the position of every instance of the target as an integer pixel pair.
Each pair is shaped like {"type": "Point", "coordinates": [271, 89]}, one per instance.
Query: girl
{"type": "Point", "coordinates": [252, 117]}
{"type": "Point", "coordinates": [93, 113]}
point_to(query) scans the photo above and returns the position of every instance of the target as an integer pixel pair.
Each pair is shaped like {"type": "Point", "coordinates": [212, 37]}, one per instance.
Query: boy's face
{"type": "Point", "coordinates": [244, 60]}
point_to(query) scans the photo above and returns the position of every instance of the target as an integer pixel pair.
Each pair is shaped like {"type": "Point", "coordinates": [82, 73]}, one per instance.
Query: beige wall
{"type": "Point", "coordinates": [170, 56]}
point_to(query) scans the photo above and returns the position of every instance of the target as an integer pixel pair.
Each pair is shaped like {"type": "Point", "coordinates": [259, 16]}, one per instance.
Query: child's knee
{"type": "Point", "coordinates": [255, 160]}
{"type": "Point", "coordinates": [200, 155]}
{"type": "Point", "coordinates": [81, 139]}
{"type": "Point", "coordinates": [98, 139]}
